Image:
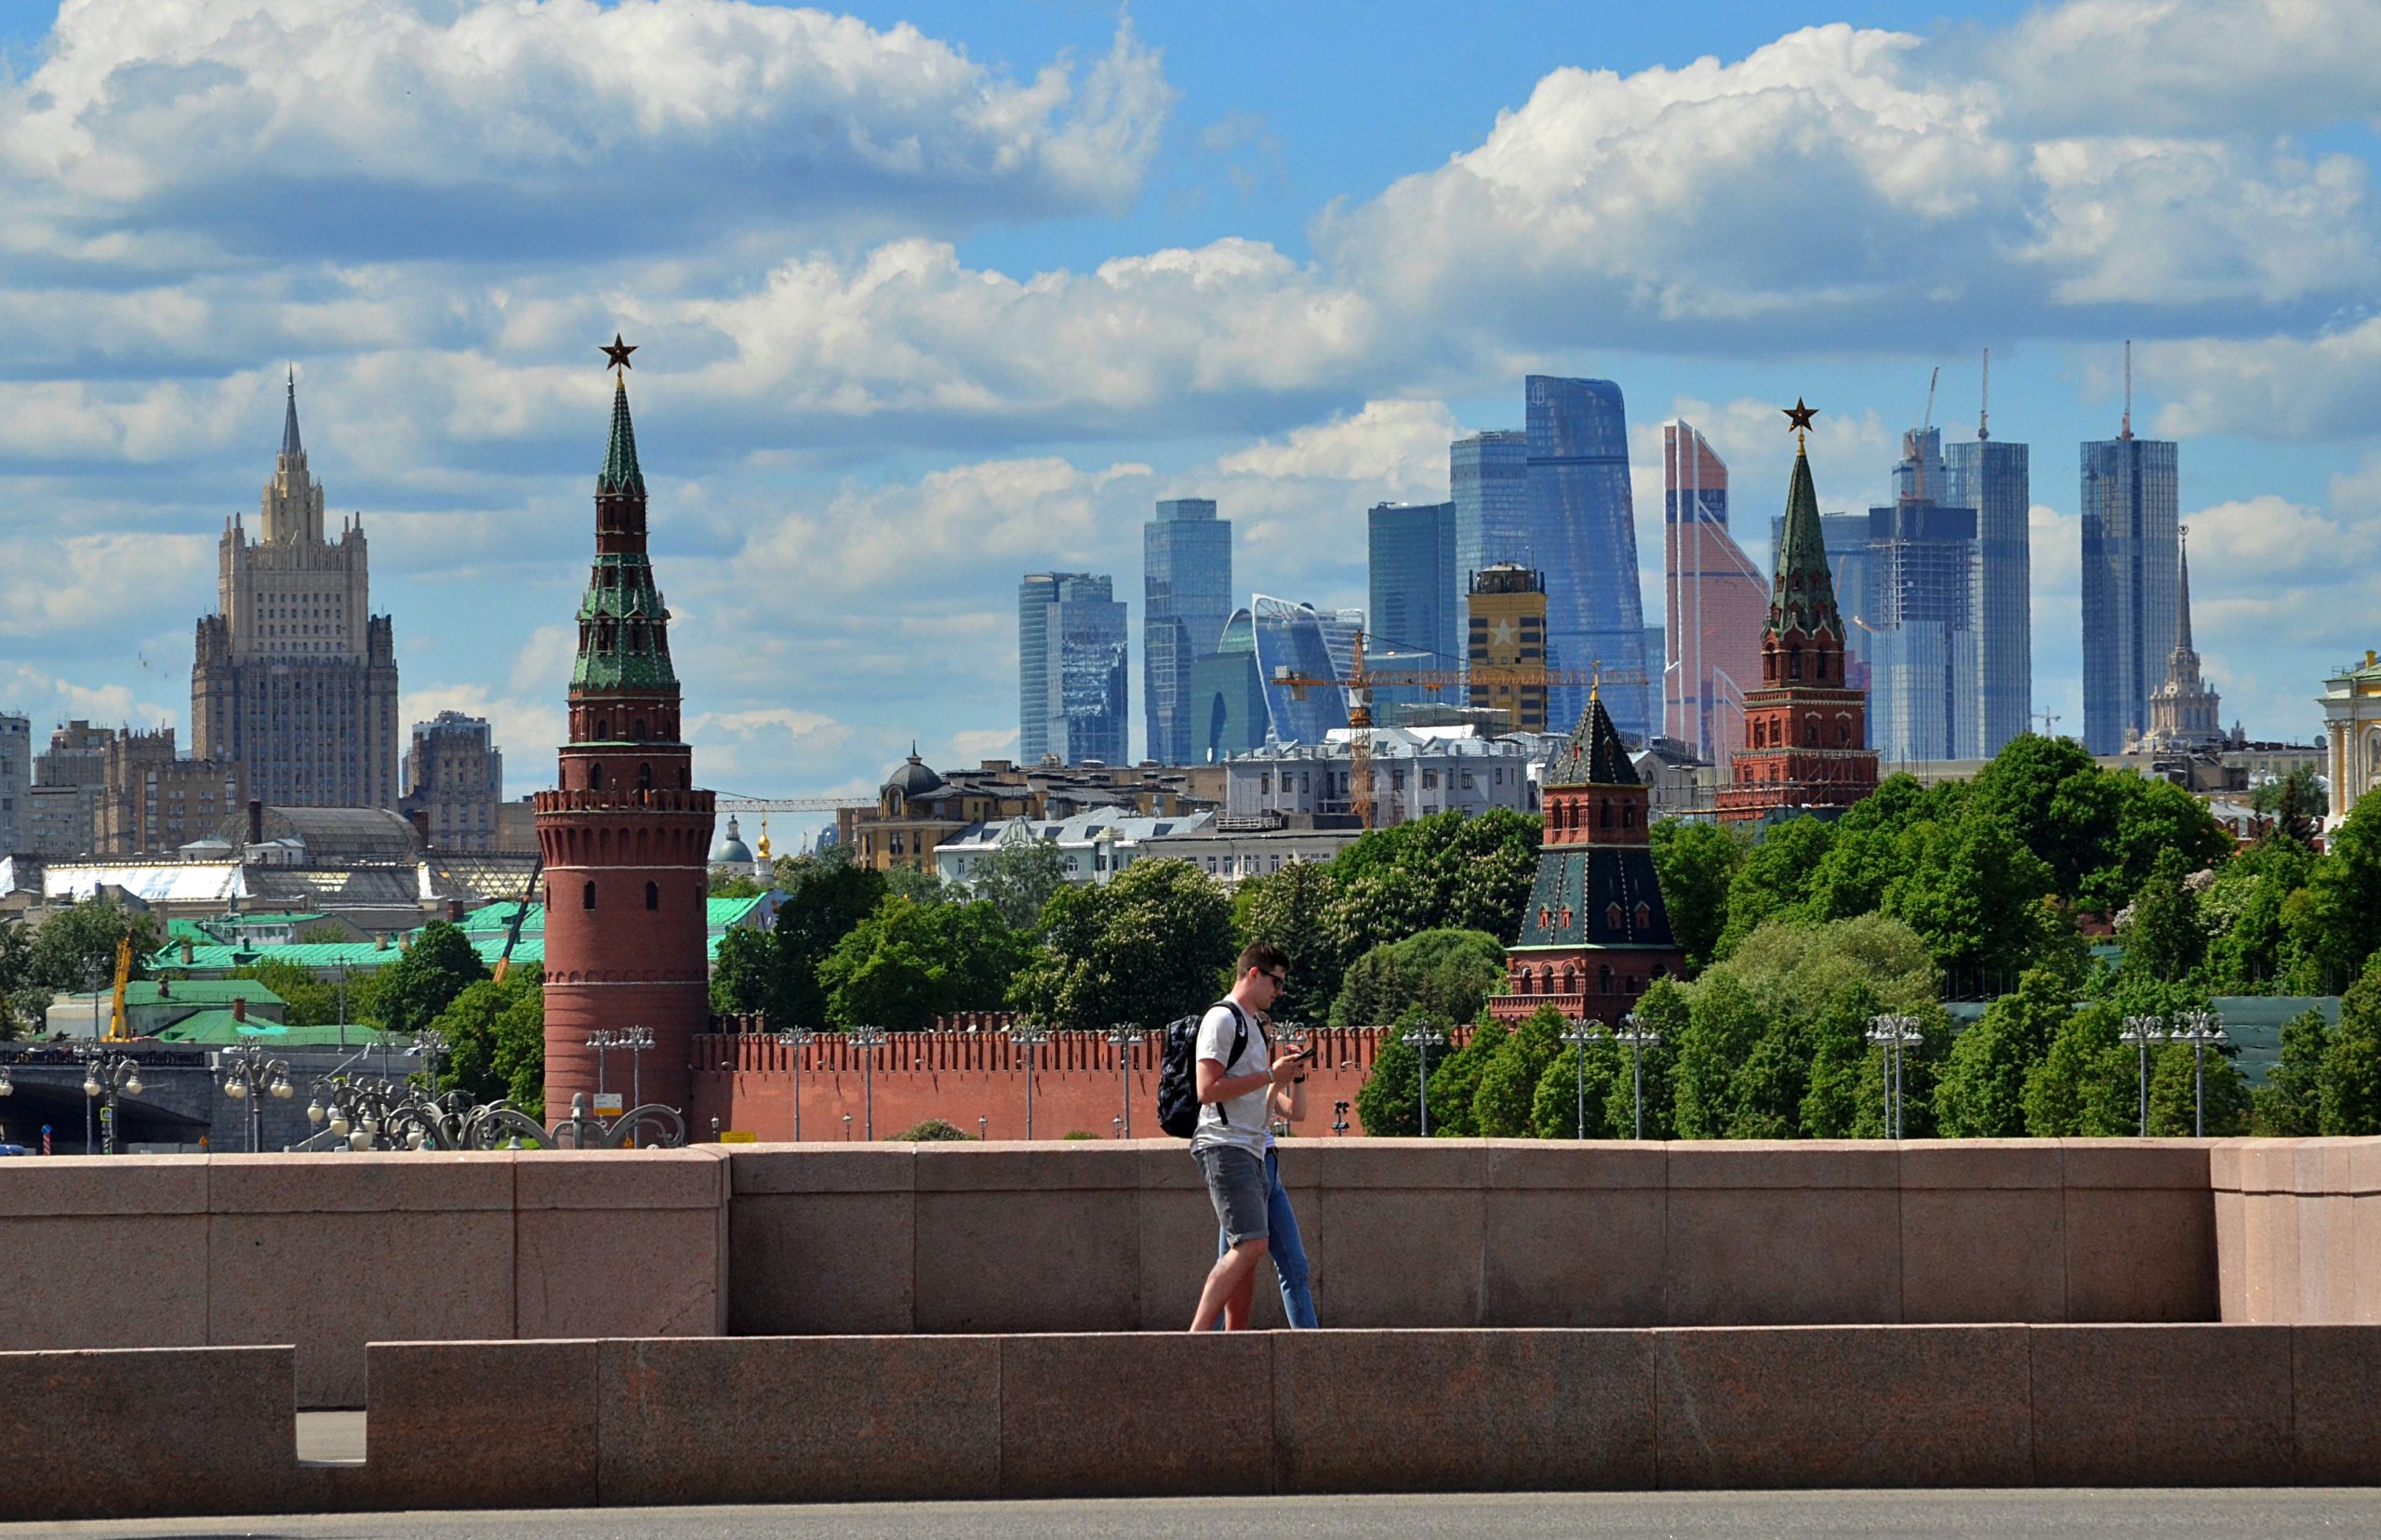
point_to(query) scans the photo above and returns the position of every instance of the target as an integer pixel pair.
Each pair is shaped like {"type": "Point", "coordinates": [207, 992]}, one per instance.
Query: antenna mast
{"type": "Point", "coordinates": [1984, 402]}
{"type": "Point", "coordinates": [2126, 432]}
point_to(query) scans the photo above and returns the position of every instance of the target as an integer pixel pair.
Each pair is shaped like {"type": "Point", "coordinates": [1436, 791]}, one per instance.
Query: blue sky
{"type": "Point", "coordinates": [933, 295]}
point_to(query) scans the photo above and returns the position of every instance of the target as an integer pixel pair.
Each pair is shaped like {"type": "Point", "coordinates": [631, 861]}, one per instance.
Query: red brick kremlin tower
{"type": "Point", "coordinates": [626, 836]}
{"type": "Point", "coordinates": [1804, 728]}
{"type": "Point", "coordinates": [1594, 933]}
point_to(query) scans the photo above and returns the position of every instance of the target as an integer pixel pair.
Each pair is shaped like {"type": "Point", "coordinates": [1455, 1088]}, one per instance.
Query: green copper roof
{"type": "Point", "coordinates": [1595, 756]}
{"type": "Point", "coordinates": [620, 473]}
{"type": "Point", "coordinates": [1802, 595]}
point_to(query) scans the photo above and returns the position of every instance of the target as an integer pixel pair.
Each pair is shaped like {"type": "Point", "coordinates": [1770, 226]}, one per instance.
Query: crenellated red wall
{"type": "Point", "coordinates": [746, 1080]}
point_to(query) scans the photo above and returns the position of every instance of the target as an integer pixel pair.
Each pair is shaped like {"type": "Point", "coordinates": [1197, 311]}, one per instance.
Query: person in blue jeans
{"type": "Point", "coordinates": [1287, 1249]}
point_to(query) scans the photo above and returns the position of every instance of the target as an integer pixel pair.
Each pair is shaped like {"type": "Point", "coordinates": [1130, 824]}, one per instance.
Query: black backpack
{"type": "Point", "coordinates": [1177, 1070]}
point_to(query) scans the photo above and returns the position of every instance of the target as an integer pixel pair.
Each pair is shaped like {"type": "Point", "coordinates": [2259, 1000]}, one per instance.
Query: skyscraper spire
{"type": "Point", "coordinates": [290, 443]}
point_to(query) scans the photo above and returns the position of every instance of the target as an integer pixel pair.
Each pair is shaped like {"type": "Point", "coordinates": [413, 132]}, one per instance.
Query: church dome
{"type": "Point", "coordinates": [913, 779]}
{"type": "Point", "coordinates": [731, 850]}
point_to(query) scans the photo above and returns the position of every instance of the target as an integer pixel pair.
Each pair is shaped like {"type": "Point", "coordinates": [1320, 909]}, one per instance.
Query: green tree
{"type": "Point", "coordinates": [2296, 803]}
{"type": "Point", "coordinates": [2089, 1083]}
{"type": "Point", "coordinates": [1504, 1105]}
{"type": "Point", "coordinates": [1662, 1010]}
{"type": "Point", "coordinates": [1455, 1081]}
{"type": "Point", "coordinates": [1453, 972]}
{"type": "Point", "coordinates": [2162, 936]}
{"type": "Point", "coordinates": [2251, 948]}
{"type": "Point", "coordinates": [2041, 787]}
{"type": "Point", "coordinates": [1018, 878]}
{"type": "Point", "coordinates": [1724, 1025]}
{"type": "Point", "coordinates": [774, 974]}
{"type": "Point", "coordinates": [1389, 1100]}
{"type": "Point", "coordinates": [310, 1001]}
{"type": "Point", "coordinates": [2348, 1084]}
{"type": "Point", "coordinates": [1774, 879]}
{"type": "Point", "coordinates": [1982, 1092]}
{"type": "Point", "coordinates": [1292, 909]}
{"type": "Point", "coordinates": [1150, 947]}
{"type": "Point", "coordinates": [23, 1000]}
{"type": "Point", "coordinates": [2339, 924]}
{"type": "Point", "coordinates": [726, 883]}
{"type": "Point", "coordinates": [439, 965]}
{"type": "Point", "coordinates": [909, 962]}
{"type": "Point", "coordinates": [495, 1032]}
{"type": "Point", "coordinates": [1695, 862]}
{"type": "Point", "coordinates": [2173, 1092]}
{"type": "Point", "coordinates": [2290, 1104]}
{"type": "Point", "coordinates": [1977, 897]}
{"type": "Point", "coordinates": [76, 946]}
{"type": "Point", "coordinates": [1450, 871]}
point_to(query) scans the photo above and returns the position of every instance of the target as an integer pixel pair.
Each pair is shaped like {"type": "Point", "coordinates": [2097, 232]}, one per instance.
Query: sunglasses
{"type": "Point", "coordinates": [1280, 980]}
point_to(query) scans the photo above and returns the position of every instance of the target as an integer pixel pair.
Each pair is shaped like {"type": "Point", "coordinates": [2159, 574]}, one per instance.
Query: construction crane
{"type": "Point", "coordinates": [1362, 681]}
{"type": "Point", "coordinates": [1984, 402]}
{"type": "Point", "coordinates": [1913, 444]}
{"type": "Point", "coordinates": [520, 915]}
{"type": "Point", "coordinates": [729, 803]}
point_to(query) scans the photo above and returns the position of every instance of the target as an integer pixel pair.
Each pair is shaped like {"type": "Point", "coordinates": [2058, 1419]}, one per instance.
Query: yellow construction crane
{"type": "Point", "coordinates": [1362, 681]}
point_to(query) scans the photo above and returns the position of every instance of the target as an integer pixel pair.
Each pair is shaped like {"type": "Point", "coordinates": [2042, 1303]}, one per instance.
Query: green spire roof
{"type": "Point", "coordinates": [1595, 756]}
{"type": "Point", "coordinates": [620, 473]}
{"type": "Point", "coordinates": [1802, 595]}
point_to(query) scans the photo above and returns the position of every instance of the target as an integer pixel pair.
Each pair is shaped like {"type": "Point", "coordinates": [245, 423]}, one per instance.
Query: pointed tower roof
{"type": "Point", "coordinates": [1594, 756]}
{"type": "Point", "coordinates": [1802, 597]}
{"type": "Point", "coordinates": [2183, 601]}
{"type": "Point", "coordinates": [620, 473]}
{"type": "Point", "coordinates": [289, 442]}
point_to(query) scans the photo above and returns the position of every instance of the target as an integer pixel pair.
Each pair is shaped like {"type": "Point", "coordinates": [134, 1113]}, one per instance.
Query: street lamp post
{"type": "Point", "coordinates": [1027, 1037]}
{"type": "Point", "coordinates": [1639, 1037]}
{"type": "Point", "coordinates": [868, 1040]}
{"type": "Point", "coordinates": [2200, 1028]}
{"type": "Point", "coordinates": [430, 1046]}
{"type": "Point", "coordinates": [2141, 1032]}
{"type": "Point", "coordinates": [1579, 1032]}
{"type": "Point", "coordinates": [1122, 1037]}
{"type": "Point", "coordinates": [1339, 1120]}
{"type": "Point", "coordinates": [796, 1039]}
{"type": "Point", "coordinates": [106, 1074]}
{"type": "Point", "coordinates": [250, 1075]}
{"type": "Point", "coordinates": [1893, 1033]}
{"type": "Point", "coordinates": [1424, 1038]}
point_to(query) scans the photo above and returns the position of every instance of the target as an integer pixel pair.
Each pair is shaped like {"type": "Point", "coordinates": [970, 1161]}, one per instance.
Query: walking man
{"type": "Point", "coordinates": [1283, 1242]}
{"type": "Point", "coordinates": [1237, 1080]}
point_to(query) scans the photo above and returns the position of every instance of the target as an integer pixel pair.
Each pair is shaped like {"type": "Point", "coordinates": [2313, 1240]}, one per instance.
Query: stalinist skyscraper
{"type": "Point", "coordinates": [296, 680]}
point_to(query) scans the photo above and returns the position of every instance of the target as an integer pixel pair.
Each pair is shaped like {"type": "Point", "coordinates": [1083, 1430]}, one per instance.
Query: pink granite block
{"type": "Point", "coordinates": [821, 1168]}
{"type": "Point", "coordinates": [170, 1431]}
{"type": "Point", "coordinates": [2366, 1301]}
{"type": "Point", "coordinates": [2336, 1384]}
{"type": "Point", "coordinates": [52, 1263]}
{"type": "Point", "coordinates": [1176, 1230]}
{"type": "Point", "coordinates": [619, 1272]}
{"type": "Point", "coordinates": [409, 1182]}
{"type": "Point", "coordinates": [1401, 1257]}
{"type": "Point", "coordinates": [1397, 1165]}
{"type": "Point", "coordinates": [1084, 1166]}
{"type": "Point", "coordinates": [298, 1276]}
{"type": "Point", "coordinates": [1463, 1411]}
{"type": "Point", "coordinates": [619, 1179]}
{"type": "Point", "coordinates": [822, 1262]}
{"type": "Point", "coordinates": [466, 1425]}
{"type": "Point", "coordinates": [1783, 1254]}
{"type": "Point", "coordinates": [1572, 1256]}
{"type": "Point", "coordinates": [2176, 1405]}
{"type": "Point", "coordinates": [1026, 1261]}
{"type": "Point", "coordinates": [1604, 1165]}
{"type": "Point", "coordinates": [2127, 1163]}
{"type": "Point", "coordinates": [1964, 1165]}
{"type": "Point", "coordinates": [1805, 1407]}
{"type": "Point", "coordinates": [1135, 1414]}
{"type": "Point", "coordinates": [132, 1185]}
{"type": "Point", "coordinates": [1753, 1165]}
{"type": "Point", "coordinates": [2140, 1254]}
{"type": "Point", "coordinates": [800, 1419]}
{"type": "Point", "coordinates": [1983, 1254]}
{"type": "Point", "coordinates": [2232, 1256]}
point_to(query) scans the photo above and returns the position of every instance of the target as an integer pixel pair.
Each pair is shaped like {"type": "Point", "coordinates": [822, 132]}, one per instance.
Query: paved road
{"type": "Point", "coordinates": [2281, 1515]}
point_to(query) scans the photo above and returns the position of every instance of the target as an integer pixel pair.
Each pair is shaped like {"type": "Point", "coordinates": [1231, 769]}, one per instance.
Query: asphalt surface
{"type": "Point", "coordinates": [2277, 1515]}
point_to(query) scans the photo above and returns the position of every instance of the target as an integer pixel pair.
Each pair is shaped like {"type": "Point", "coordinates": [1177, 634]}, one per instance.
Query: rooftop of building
{"type": "Point", "coordinates": [1080, 828]}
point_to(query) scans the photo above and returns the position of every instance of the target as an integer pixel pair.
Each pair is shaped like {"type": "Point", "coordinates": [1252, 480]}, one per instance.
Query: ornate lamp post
{"type": "Point", "coordinates": [2200, 1028]}
{"type": "Point", "coordinates": [108, 1075]}
{"type": "Point", "coordinates": [867, 1040]}
{"type": "Point", "coordinates": [1893, 1033]}
{"type": "Point", "coordinates": [2141, 1032]}
{"type": "Point", "coordinates": [795, 1039]}
{"type": "Point", "coordinates": [1638, 1037]}
{"type": "Point", "coordinates": [250, 1075]}
{"type": "Point", "coordinates": [1424, 1039]}
{"type": "Point", "coordinates": [1339, 1120]}
{"type": "Point", "coordinates": [429, 1047]}
{"type": "Point", "coordinates": [1579, 1032]}
{"type": "Point", "coordinates": [1028, 1037]}
{"type": "Point", "coordinates": [1122, 1036]}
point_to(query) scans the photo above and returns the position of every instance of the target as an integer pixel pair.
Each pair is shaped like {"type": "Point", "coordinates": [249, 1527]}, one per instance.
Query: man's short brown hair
{"type": "Point", "coordinates": [1264, 955]}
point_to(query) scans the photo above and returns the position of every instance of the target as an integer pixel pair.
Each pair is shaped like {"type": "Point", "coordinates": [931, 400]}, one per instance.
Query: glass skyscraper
{"type": "Point", "coordinates": [1186, 598]}
{"type": "Point", "coordinates": [1582, 535]}
{"type": "Point", "coordinates": [1923, 693]}
{"type": "Point", "coordinates": [1717, 601]}
{"type": "Point", "coordinates": [1073, 696]}
{"type": "Point", "coordinates": [2132, 556]}
{"type": "Point", "coordinates": [1227, 708]}
{"type": "Point", "coordinates": [1488, 478]}
{"type": "Point", "coordinates": [1410, 558]}
{"type": "Point", "coordinates": [1992, 479]}
{"type": "Point", "coordinates": [1293, 639]}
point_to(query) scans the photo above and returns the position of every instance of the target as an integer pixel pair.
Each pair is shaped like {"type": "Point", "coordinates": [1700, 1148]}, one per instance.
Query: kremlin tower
{"type": "Point", "coordinates": [626, 836]}
{"type": "Point", "coordinates": [1805, 728]}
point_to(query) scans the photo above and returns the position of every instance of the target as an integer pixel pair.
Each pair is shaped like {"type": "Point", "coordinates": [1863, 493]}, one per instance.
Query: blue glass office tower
{"type": "Point", "coordinates": [1227, 706]}
{"type": "Point", "coordinates": [1991, 478]}
{"type": "Point", "coordinates": [1488, 478]}
{"type": "Point", "coordinates": [1582, 535]}
{"type": "Point", "coordinates": [2132, 556]}
{"type": "Point", "coordinates": [1186, 598]}
{"type": "Point", "coordinates": [1924, 694]}
{"type": "Point", "coordinates": [1291, 639]}
{"type": "Point", "coordinates": [1410, 557]}
{"type": "Point", "coordinates": [1073, 699]}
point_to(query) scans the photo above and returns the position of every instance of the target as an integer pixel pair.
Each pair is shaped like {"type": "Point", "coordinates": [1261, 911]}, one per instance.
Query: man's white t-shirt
{"type": "Point", "coordinates": [1240, 1122]}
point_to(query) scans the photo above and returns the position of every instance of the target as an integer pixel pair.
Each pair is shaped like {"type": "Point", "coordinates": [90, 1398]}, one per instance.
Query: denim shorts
{"type": "Point", "coordinates": [1236, 1186]}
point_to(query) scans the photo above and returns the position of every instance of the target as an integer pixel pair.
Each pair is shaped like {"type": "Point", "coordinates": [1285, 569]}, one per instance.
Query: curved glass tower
{"type": "Point", "coordinates": [1290, 638]}
{"type": "Point", "coordinates": [1582, 536]}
